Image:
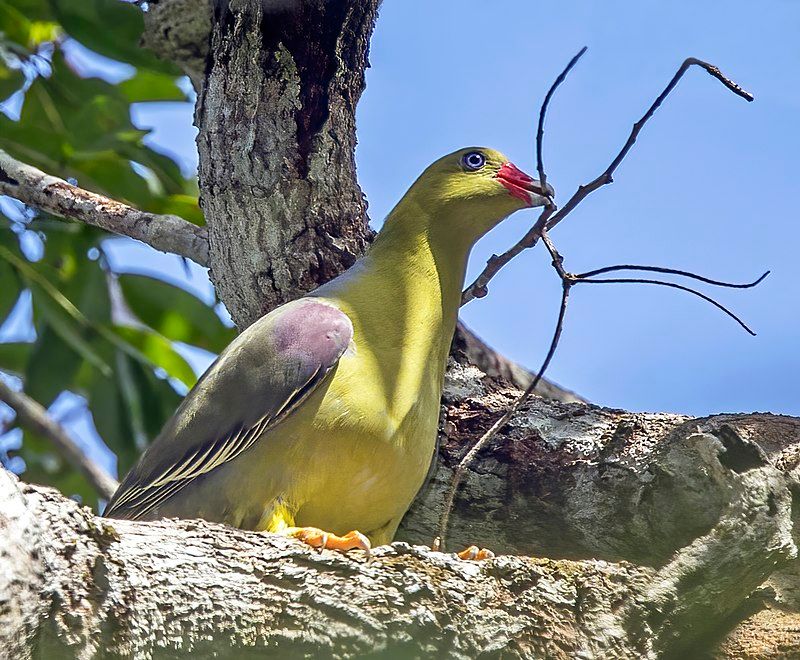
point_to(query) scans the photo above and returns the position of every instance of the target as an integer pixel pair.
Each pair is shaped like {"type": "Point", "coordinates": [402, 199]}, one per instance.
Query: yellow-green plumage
{"type": "Point", "coordinates": [354, 444]}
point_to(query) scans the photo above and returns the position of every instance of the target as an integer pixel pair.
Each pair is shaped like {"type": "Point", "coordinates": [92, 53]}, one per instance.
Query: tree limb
{"type": "Point", "coordinates": [703, 508]}
{"type": "Point", "coordinates": [33, 416]}
{"type": "Point", "coordinates": [489, 361]}
{"type": "Point", "coordinates": [167, 233]}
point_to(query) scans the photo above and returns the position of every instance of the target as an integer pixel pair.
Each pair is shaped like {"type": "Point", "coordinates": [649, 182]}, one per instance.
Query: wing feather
{"type": "Point", "coordinates": [260, 379]}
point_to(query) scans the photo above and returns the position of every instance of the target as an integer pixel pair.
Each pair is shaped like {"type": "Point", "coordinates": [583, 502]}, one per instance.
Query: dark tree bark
{"type": "Point", "coordinates": [277, 145]}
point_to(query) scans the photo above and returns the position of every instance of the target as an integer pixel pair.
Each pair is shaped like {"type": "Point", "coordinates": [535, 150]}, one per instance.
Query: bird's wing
{"type": "Point", "coordinates": [262, 377]}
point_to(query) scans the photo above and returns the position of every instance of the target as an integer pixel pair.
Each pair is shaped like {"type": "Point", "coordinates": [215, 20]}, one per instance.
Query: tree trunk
{"type": "Point", "coordinates": [277, 146]}
{"type": "Point", "coordinates": [702, 508]}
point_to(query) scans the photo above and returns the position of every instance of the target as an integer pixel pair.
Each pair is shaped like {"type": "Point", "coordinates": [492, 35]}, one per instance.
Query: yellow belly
{"type": "Point", "coordinates": [360, 462]}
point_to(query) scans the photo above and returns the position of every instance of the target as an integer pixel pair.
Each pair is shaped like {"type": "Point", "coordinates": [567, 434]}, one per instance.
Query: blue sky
{"type": "Point", "coordinates": [709, 186]}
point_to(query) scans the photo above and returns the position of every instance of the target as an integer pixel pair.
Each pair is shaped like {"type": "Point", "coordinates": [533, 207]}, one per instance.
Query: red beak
{"type": "Point", "coordinates": [522, 186]}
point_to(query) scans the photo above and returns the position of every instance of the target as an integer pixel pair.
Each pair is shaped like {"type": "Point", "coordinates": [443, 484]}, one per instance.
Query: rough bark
{"type": "Point", "coordinates": [277, 142]}
{"type": "Point", "coordinates": [704, 507]}
{"type": "Point", "coordinates": [178, 31]}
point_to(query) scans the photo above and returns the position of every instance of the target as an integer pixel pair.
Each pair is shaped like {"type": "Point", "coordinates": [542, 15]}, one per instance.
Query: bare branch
{"type": "Point", "coordinates": [478, 288]}
{"type": "Point", "coordinates": [550, 217]}
{"type": "Point", "coordinates": [608, 175]}
{"type": "Point", "coordinates": [167, 233]}
{"type": "Point", "coordinates": [465, 462]}
{"type": "Point", "coordinates": [543, 111]}
{"type": "Point", "coordinates": [93, 587]}
{"type": "Point", "coordinates": [671, 285]}
{"type": "Point", "coordinates": [671, 271]}
{"type": "Point", "coordinates": [32, 415]}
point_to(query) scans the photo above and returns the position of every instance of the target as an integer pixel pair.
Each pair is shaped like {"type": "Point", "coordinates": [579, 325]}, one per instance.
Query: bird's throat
{"type": "Point", "coordinates": [403, 298]}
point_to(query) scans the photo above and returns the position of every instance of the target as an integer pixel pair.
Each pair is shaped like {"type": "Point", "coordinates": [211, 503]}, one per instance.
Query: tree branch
{"type": "Point", "coordinates": [33, 415]}
{"type": "Point", "coordinates": [167, 233]}
{"type": "Point", "coordinates": [607, 176]}
{"type": "Point", "coordinates": [550, 216]}
{"type": "Point", "coordinates": [714, 506]}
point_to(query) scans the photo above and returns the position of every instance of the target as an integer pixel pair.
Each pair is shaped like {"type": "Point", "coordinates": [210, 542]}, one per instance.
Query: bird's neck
{"type": "Point", "coordinates": [423, 260]}
{"type": "Point", "coordinates": [404, 294]}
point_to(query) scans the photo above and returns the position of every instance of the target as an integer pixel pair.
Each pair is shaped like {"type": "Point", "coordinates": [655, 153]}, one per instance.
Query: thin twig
{"type": "Point", "coordinates": [543, 111]}
{"type": "Point", "coordinates": [608, 175]}
{"type": "Point", "coordinates": [465, 462]}
{"type": "Point", "coordinates": [550, 218]}
{"type": "Point", "coordinates": [33, 415]}
{"type": "Point", "coordinates": [672, 285]}
{"type": "Point", "coordinates": [671, 271]}
{"type": "Point", "coordinates": [478, 287]}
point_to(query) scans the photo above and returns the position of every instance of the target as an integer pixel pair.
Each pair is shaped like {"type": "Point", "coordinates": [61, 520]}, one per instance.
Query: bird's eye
{"type": "Point", "coordinates": [474, 160]}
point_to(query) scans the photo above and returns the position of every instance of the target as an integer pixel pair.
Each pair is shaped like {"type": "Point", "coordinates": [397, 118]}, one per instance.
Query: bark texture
{"type": "Point", "coordinates": [704, 507]}
{"type": "Point", "coordinates": [179, 31]}
{"type": "Point", "coordinates": [277, 146]}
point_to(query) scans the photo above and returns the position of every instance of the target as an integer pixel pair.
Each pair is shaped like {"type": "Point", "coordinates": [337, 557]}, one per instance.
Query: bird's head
{"type": "Point", "coordinates": [473, 189]}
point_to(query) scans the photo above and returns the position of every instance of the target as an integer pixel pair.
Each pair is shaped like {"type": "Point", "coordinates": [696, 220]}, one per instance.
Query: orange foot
{"type": "Point", "coordinates": [318, 538]}
{"type": "Point", "coordinates": [474, 553]}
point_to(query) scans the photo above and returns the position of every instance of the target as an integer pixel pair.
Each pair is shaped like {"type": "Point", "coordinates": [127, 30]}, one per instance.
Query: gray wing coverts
{"type": "Point", "coordinates": [265, 374]}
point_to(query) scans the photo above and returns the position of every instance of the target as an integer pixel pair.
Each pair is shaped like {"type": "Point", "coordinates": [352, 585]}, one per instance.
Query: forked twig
{"type": "Point", "coordinates": [478, 288]}
{"type": "Point", "coordinates": [549, 218]}
{"type": "Point", "coordinates": [608, 176]}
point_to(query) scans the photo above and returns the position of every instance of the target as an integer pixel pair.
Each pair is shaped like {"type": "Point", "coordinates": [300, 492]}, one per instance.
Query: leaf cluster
{"type": "Point", "coordinates": [111, 338]}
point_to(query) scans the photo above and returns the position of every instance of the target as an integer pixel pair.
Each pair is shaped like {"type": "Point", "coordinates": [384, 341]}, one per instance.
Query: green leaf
{"type": "Point", "coordinates": [112, 419]}
{"type": "Point", "coordinates": [14, 356]}
{"type": "Point", "coordinates": [67, 328]}
{"type": "Point", "coordinates": [157, 399]}
{"type": "Point", "coordinates": [111, 28]}
{"type": "Point", "coordinates": [81, 127]}
{"type": "Point", "coordinates": [156, 351]}
{"type": "Point", "coordinates": [151, 86]}
{"type": "Point", "coordinates": [108, 171]}
{"type": "Point", "coordinates": [27, 23]}
{"type": "Point", "coordinates": [175, 313]}
{"type": "Point", "coordinates": [51, 366]}
{"type": "Point", "coordinates": [184, 206]}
